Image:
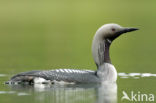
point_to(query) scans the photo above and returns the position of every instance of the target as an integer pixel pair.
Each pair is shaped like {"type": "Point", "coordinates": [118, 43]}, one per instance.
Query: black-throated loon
{"type": "Point", "coordinates": [100, 50]}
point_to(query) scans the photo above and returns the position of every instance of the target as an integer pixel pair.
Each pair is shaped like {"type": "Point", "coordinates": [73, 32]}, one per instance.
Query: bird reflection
{"type": "Point", "coordinates": [82, 93]}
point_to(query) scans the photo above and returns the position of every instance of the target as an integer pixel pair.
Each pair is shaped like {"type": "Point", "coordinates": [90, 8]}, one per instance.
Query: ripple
{"type": "Point", "coordinates": [14, 92]}
{"type": "Point", "coordinates": [22, 94]}
{"type": "Point", "coordinates": [3, 75]}
{"type": "Point", "coordinates": [7, 92]}
{"type": "Point", "coordinates": [135, 75]}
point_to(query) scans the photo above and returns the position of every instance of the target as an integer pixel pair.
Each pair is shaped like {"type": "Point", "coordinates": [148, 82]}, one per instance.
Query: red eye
{"type": "Point", "coordinates": [113, 29]}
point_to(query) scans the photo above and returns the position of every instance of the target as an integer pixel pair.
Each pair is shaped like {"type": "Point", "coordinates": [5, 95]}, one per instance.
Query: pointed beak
{"type": "Point", "coordinates": [125, 30]}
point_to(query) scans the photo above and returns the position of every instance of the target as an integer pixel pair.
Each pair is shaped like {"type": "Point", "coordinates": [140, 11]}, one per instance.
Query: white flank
{"type": "Point", "coordinates": [62, 82]}
{"type": "Point", "coordinates": [39, 80]}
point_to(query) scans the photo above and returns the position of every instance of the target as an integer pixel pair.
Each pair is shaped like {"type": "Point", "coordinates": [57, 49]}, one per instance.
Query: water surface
{"type": "Point", "coordinates": [78, 93]}
{"type": "Point", "coordinates": [51, 34]}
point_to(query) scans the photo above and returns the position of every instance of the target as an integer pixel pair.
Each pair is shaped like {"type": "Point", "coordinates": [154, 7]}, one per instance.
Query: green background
{"type": "Point", "coordinates": [51, 34]}
{"type": "Point", "coordinates": [58, 34]}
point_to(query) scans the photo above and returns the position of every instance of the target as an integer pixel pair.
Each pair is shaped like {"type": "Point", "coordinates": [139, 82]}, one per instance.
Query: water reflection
{"type": "Point", "coordinates": [83, 93]}
{"type": "Point", "coordinates": [136, 75]}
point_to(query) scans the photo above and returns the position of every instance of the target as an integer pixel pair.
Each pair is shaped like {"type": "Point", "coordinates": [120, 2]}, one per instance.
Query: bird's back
{"type": "Point", "coordinates": [58, 75]}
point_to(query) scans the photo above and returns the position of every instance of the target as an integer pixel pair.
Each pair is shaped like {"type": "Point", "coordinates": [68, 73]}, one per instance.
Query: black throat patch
{"type": "Point", "coordinates": [103, 52]}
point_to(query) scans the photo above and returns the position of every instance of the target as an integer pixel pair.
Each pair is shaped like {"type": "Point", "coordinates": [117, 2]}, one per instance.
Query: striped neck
{"type": "Point", "coordinates": [106, 52]}
{"type": "Point", "coordinates": [100, 50]}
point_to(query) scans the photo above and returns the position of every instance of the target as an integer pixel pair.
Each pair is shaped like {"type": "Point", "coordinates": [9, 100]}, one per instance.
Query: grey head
{"type": "Point", "coordinates": [102, 40]}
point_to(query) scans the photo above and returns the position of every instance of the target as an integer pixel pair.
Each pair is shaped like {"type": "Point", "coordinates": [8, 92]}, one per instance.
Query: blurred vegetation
{"type": "Point", "coordinates": [54, 34]}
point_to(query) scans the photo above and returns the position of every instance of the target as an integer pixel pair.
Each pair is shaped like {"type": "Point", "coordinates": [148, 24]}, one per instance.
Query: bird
{"type": "Point", "coordinates": [105, 72]}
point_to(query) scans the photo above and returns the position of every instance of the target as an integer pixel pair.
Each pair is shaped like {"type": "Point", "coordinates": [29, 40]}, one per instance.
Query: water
{"type": "Point", "coordinates": [51, 34]}
{"type": "Point", "coordinates": [78, 93]}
